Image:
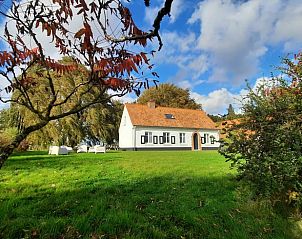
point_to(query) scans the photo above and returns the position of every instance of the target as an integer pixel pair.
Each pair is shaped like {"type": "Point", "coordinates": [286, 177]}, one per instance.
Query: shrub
{"type": "Point", "coordinates": [266, 146]}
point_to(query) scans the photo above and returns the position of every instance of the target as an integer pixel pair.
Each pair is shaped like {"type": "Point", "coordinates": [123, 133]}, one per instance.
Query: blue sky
{"type": "Point", "coordinates": [213, 46]}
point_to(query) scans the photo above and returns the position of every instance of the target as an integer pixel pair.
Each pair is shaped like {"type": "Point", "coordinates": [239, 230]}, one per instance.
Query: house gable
{"type": "Point", "coordinates": [126, 134]}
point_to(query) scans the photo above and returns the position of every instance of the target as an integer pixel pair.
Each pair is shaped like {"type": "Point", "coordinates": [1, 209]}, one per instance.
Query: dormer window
{"type": "Point", "coordinates": [169, 116]}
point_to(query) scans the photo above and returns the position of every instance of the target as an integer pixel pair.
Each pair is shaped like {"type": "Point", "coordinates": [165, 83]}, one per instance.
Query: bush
{"type": "Point", "coordinates": [266, 146]}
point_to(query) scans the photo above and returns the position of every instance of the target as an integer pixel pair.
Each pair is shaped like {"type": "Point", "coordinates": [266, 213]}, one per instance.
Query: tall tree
{"type": "Point", "coordinates": [231, 113]}
{"type": "Point", "coordinates": [98, 123]}
{"type": "Point", "coordinates": [102, 122]}
{"type": "Point", "coordinates": [96, 35]}
{"type": "Point", "coordinates": [169, 95]}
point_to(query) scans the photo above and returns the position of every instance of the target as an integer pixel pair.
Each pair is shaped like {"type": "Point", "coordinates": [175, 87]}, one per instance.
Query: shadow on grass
{"type": "Point", "coordinates": [157, 207]}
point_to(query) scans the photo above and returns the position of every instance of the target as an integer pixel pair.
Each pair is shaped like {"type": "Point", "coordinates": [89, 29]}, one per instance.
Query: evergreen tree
{"type": "Point", "coordinates": [231, 113]}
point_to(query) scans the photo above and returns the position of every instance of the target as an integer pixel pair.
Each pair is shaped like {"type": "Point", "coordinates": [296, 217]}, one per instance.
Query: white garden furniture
{"type": "Point", "coordinates": [69, 149]}
{"type": "Point", "coordinates": [82, 149]}
{"type": "Point", "coordinates": [97, 149]}
{"type": "Point", "coordinates": [57, 150]}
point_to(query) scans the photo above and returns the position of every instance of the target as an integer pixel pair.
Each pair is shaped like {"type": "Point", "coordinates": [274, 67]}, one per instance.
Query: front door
{"type": "Point", "coordinates": [195, 141]}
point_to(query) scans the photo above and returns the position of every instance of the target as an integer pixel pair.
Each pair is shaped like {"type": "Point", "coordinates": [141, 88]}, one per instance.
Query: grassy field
{"type": "Point", "coordinates": [131, 195]}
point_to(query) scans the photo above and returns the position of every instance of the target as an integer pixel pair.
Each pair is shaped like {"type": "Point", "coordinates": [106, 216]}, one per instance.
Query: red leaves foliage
{"type": "Point", "coordinates": [60, 68]}
{"type": "Point", "coordinates": [130, 26]}
{"type": "Point", "coordinates": [17, 57]}
{"type": "Point", "coordinates": [108, 65]}
{"type": "Point", "coordinates": [119, 66]}
{"type": "Point", "coordinates": [116, 83]}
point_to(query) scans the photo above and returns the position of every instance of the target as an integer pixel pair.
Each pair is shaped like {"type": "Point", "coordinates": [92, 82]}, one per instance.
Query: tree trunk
{"type": "Point", "coordinates": [6, 151]}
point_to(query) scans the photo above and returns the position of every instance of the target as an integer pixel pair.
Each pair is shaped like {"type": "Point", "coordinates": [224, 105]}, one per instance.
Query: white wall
{"type": "Point", "coordinates": [126, 131]}
{"type": "Point", "coordinates": [158, 131]}
{"type": "Point", "coordinates": [210, 132]}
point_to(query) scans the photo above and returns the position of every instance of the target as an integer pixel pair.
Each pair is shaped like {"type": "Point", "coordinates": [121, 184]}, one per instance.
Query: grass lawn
{"type": "Point", "coordinates": [130, 195]}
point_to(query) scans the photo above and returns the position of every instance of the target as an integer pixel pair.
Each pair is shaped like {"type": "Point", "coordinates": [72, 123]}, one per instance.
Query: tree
{"type": "Point", "coordinates": [169, 95]}
{"type": "Point", "coordinates": [231, 113]}
{"type": "Point", "coordinates": [102, 123]}
{"type": "Point", "coordinates": [265, 146]}
{"type": "Point", "coordinates": [97, 123]}
{"type": "Point", "coordinates": [98, 46]}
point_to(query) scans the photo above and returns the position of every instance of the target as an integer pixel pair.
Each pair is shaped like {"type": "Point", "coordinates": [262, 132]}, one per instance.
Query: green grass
{"type": "Point", "coordinates": [130, 195]}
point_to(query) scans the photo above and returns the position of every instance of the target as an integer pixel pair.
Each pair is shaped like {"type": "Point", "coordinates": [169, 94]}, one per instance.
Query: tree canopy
{"type": "Point", "coordinates": [169, 95]}
{"type": "Point", "coordinates": [231, 112]}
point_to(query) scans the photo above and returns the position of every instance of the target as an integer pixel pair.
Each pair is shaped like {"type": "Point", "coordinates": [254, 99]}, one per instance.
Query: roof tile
{"type": "Point", "coordinates": [142, 115]}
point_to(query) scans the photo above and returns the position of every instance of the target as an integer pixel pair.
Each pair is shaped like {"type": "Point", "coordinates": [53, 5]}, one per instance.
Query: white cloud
{"type": "Point", "coordinates": [217, 101]}
{"type": "Point", "coordinates": [178, 6]}
{"type": "Point", "coordinates": [150, 14]}
{"type": "Point", "coordinates": [129, 98]}
{"type": "Point", "coordinates": [234, 37]}
{"type": "Point", "coordinates": [236, 34]}
{"type": "Point", "coordinates": [183, 80]}
{"type": "Point", "coordinates": [180, 50]}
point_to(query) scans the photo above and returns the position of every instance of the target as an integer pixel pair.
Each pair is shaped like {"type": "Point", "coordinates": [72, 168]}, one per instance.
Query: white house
{"type": "Point", "coordinates": [147, 127]}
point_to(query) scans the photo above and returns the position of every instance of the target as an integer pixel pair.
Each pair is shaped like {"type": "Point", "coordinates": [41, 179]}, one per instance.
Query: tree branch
{"type": "Point", "coordinates": [165, 10]}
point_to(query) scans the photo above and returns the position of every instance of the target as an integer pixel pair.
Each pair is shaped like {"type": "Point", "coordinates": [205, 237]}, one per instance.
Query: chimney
{"type": "Point", "coordinates": [151, 104]}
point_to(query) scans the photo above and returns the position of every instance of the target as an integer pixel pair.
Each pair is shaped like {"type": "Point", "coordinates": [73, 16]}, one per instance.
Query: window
{"type": "Point", "coordinates": [161, 139]}
{"type": "Point", "coordinates": [182, 138]}
{"type": "Point", "coordinates": [169, 116]}
{"type": "Point", "coordinates": [143, 139]}
{"type": "Point", "coordinates": [155, 140]}
{"type": "Point", "coordinates": [124, 121]}
{"type": "Point", "coordinates": [172, 139]}
{"type": "Point", "coordinates": [166, 137]}
{"type": "Point", "coordinates": [205, 139]}
{"type": "Point", "coordinates": [148, 136]}
{"type": "Point", "coordinates": [212, 139]}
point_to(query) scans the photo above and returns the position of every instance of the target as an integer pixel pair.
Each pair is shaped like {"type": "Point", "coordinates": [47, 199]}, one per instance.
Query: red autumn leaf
{"type": "Point", "coordinates": [131, 65]}
{"type": "Point", "coordinates": [88, 31]}
{"type": "Point", "coordinates": [145, 57]}
{"type": "Point", "coordinates": [80, 33]}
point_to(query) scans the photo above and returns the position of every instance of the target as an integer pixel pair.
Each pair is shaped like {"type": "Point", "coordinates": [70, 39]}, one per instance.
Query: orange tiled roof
{"type": "Point", "coordinates": [142, 115]}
